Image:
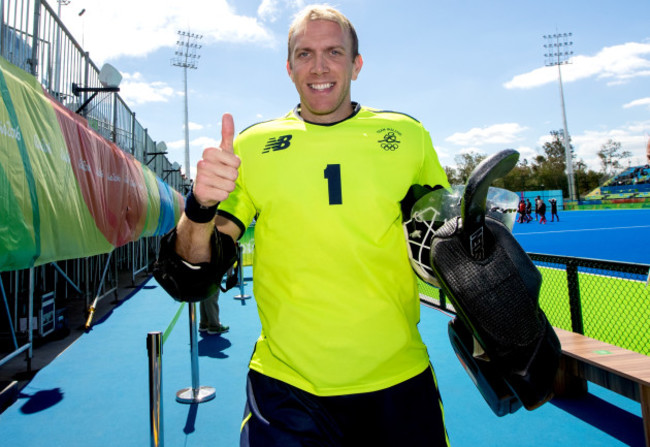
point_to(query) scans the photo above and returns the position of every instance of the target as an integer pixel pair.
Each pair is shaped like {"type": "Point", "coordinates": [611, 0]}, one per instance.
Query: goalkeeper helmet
{"type": "Point", "coordinates": [432, 208]}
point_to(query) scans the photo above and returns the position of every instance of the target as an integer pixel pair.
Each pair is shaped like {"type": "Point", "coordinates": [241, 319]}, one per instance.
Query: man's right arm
{"type": "Point", "coordinates": [193, 240]}
{"type": "Point", "coordinates": [215, 179]}
{"type": "Point", "coordinates": [194, 256]}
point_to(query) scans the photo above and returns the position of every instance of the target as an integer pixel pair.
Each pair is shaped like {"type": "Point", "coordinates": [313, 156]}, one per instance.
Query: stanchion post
{"type": "Point", "coordinates": [154, 349]}
{"type": "Point", "coordinates": [196, 393]}
{"type": "Point", "coordinates": [240, 273]}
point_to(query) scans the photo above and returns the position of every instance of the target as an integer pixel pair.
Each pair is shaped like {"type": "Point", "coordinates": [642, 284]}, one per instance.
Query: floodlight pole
{"type": "Point", "coordinates": [187, 127]}
{"type": "Point", "coordinates": [187, 57]}
{"type": "Point", "coordinates": [558, 53]}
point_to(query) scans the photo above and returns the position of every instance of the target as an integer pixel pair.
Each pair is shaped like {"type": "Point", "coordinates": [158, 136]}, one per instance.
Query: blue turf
{"type": "Point", "coordinates": [600, 234]}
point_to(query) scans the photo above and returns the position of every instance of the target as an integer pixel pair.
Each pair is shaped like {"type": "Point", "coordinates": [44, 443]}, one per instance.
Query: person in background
{"type": "Point", "coordinates": [554, 210]}
{"type": "Point", "coordinates": [541, 210]}
{"type": "Point", "coordinates": [209, 316]}
{"type": "Point", "coordinates": [522, 211]}
{"type": "Point", "coordinates": [529, 211]}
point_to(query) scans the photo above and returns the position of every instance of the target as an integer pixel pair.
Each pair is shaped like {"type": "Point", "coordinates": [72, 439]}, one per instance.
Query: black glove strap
{"type": "Point", "coordinates": [197, 212]}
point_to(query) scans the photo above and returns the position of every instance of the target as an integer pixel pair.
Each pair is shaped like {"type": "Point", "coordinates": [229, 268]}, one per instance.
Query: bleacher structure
{"type": "Point", "coordinates": [627, 187]}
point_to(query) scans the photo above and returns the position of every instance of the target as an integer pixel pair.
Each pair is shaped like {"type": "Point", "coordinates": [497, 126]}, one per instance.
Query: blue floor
{"type": "Point", "coordinates": [96, 392]}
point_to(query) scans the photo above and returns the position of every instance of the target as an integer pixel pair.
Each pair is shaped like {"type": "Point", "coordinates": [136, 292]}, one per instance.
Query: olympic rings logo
{"type": "Point", "coordinates": [390, 142]}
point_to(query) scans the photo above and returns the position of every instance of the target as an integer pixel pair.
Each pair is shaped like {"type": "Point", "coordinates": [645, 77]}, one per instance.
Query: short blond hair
{"type": "Point", "coordinates": [322, 12]}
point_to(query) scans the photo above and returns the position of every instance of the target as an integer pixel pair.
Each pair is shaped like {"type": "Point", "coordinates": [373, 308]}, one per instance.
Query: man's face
{"type": "Point", "coordinates": [322, 68]}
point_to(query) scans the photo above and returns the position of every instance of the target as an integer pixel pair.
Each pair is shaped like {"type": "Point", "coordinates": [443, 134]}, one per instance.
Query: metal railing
{"type": "Point", "coordinates": [35, 39]}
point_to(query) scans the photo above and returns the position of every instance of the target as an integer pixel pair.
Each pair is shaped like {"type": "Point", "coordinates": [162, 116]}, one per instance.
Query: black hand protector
{"type": "Point", "coordinates": [494, 287]}
{"type": "Point", "coordinates": [189, 282]}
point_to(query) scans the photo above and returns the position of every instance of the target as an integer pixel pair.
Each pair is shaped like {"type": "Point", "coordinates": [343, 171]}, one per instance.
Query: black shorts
{"type": "Point", "coordinates": [281, 415]}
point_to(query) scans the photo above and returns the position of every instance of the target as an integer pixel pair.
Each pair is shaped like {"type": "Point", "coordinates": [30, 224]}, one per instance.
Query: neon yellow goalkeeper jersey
{"type": "Point", "coordinates": [335, 291]}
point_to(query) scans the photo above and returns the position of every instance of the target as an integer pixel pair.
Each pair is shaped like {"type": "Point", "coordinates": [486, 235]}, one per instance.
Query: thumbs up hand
{"type": "Point", "coordinates": [218, 169]}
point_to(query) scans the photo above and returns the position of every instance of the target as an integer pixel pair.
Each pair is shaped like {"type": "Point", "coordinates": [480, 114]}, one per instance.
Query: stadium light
{"type": "Point", "coordinates": [558, 52]}
{"type": "Point", "coordinates": [187, 57]}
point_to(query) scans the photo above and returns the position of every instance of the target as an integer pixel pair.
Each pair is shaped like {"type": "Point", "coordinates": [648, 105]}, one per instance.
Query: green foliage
{"type": "Point", "coordinates": [610, 155]}
{"type": "Point", "coordinates": [545, 171]}
{"type": "Point", "coordinates": [465, 164]}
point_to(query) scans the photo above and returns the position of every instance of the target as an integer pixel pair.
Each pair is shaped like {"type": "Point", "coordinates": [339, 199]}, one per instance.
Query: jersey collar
{"type": "Point", "coordinates": [356, 107]}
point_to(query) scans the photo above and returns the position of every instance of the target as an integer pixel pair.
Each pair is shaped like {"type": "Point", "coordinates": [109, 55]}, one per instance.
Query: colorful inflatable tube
{"type": "Point", "coordinates": [65, 191]}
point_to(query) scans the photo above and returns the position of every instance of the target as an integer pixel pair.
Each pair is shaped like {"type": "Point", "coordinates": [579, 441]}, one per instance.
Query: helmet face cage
{"type": "Point", "coordinates": [419, 235]}
{"type": "Point", "coordinates": [431, 211]}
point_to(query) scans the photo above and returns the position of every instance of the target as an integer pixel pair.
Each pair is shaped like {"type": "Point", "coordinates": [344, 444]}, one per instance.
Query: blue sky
{"type": "Point", "coordinates": [473, 72]}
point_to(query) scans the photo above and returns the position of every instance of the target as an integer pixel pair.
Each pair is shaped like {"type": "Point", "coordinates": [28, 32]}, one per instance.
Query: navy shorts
{"type": "Point", "coordinates": [281, 415]}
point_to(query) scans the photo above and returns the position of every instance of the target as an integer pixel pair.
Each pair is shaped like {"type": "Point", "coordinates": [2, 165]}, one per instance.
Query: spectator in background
{"type": "Point", "coordinates": [554, 210]}
{"type": "Point", "coordinates": [541, 209]}
{"type": "Point", "coordinates": [537, 200]}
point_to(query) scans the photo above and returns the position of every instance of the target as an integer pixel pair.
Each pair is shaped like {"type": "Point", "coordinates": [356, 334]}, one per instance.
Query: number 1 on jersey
{"type": "Point", "coordinates": [333, 176]}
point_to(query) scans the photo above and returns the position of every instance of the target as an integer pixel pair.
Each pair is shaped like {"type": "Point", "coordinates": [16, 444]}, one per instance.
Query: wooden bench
{"type": "Point", "coordinates": [620, 370]}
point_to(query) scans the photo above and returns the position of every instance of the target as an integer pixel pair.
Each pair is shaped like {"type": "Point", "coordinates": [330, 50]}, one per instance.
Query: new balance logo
{"type": "Point", "coordinates": [277, 144]}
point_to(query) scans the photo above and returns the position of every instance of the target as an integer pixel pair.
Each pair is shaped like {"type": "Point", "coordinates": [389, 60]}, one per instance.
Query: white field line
{"type": "Point", "coordinates": [583, 229]}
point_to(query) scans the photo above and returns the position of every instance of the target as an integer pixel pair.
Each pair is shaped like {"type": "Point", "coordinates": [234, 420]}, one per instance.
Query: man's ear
{"type": "Point", "coordinates": [289, 71]}
{"type": "Point", "coordinates": [358, 63]}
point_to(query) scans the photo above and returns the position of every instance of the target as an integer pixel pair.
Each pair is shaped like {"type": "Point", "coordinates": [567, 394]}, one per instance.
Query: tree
{"type": "Point", "coordinates": [465, 164]}
{"type": "Point", "coordinates": [546, 171]}
{"type": "Point", "coordinates": [518, 179]}
{"type": "Point", "coordinates": [452, 176]}
{"type": "Point", "coordinates": [549, 170]}
{"type": "Point", "coordinates": [586, 179]}
{"type": "Point", "coordinates": [610, 155]}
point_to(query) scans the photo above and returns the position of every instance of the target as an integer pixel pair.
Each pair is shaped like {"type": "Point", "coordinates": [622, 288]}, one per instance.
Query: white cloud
{"type": "Point", "coordinates": [194, 126]}
{"type": "Point", "coordinates": [587, 144]}
{"type": "Point", "coordinates": [176, 151]}
{"type": "Point", "coordinates": [631, 138]}
{"type": "Point", "coordinates": [176, 144]}
{"type": "Point", "coordinates": [203, 142]}
{"type": "Point", "coordinates": [637, 103]}
{"type": "Point", "coordinates": [526, 152]}
{"type": "Point", "coordinates": [616, 64]}
{"type": "Point", "coordinates": [268, 10]}
{"type": "Point", "coordinates": [505, 133]}
{"type": "Point", "coordinates": [197, 143]}
{"type": "Point", "coordinates": [137, 28]}
{"type": "Point", "coordinates": [135, 90]}
{"type": "Point", "coordinates": [489, 140]}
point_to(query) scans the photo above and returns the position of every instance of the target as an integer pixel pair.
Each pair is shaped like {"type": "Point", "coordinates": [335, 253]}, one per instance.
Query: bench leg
{"type": "Point", "coordinates": [645, 411]}
{"type": "Point", "coordinates": [568, 382]}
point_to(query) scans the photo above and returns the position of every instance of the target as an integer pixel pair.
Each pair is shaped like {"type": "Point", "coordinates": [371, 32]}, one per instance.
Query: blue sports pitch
{"type": "Point", "coordinates": [613, 235]}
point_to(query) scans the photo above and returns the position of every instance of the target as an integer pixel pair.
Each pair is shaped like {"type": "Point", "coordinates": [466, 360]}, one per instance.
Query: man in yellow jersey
{"type": "Point", "coordinates": [340, 361]}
